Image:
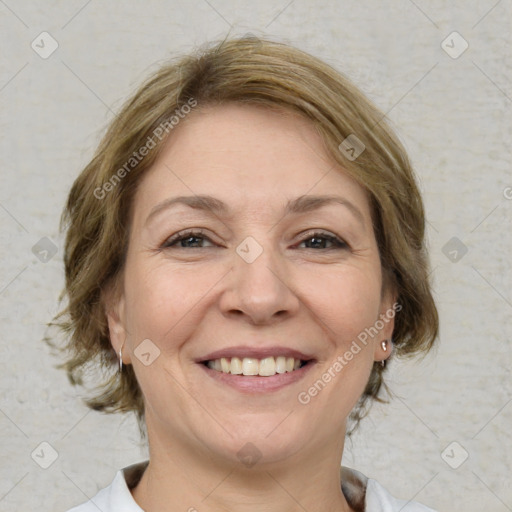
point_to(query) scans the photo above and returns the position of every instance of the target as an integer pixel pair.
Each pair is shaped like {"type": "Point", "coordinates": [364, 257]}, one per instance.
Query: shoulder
{"type": "Point", "coordinates": [117, 495]}
{"type": "Point", "coordinates": [367, 495]}
{"type": "Point", "coordinates": [99, 502]}
{"type": "Point", "coordinates": [379, 499]}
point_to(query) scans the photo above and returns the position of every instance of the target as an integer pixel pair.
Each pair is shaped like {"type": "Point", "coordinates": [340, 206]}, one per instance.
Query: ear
{"type": "Point", "coordinates": [389, 308]}
{"type": "Point", "coordinates": [115, 311]}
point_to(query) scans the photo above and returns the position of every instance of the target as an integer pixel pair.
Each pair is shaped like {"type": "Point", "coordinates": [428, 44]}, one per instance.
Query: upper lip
{"type": "Point", "coordinates": [255, 352]}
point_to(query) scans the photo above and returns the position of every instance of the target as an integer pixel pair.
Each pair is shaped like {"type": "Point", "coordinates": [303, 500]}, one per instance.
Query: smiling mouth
{"type": "Point", "coordinates": [250, 366]}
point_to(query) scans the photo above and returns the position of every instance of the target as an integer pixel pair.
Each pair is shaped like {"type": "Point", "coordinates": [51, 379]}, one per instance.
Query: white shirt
{"type": "Point", "coordinates": [362, 494]}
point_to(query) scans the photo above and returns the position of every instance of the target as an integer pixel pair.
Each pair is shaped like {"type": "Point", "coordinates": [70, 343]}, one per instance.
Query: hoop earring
{"type": "Point", "coordinates": [121, 358]}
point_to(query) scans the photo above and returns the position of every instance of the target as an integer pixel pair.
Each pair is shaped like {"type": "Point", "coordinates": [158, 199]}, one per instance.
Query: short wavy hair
{"type": "Point", "coordinates": [245, 70]}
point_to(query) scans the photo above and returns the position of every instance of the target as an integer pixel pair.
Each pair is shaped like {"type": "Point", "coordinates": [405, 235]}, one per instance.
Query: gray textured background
{"type": "Point", "coordinates": [454, 117]}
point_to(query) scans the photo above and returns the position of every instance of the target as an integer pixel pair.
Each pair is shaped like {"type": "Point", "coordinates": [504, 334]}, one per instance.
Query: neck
{"type": "Point", "coordinates": [192, 478]}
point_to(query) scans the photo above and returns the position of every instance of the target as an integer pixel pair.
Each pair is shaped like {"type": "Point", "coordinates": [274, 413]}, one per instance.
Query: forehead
{"type": "Point", "coordinates": [252, 158]}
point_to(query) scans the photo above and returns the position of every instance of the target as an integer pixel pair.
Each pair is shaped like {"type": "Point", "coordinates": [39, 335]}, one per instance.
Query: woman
{"type": "Point", "coordinates": [244, 253]}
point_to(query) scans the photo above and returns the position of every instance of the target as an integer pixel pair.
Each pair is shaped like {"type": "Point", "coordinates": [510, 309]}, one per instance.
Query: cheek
{"type": "Point", "coordinates": [161, 301]}
{"type": "Point", "coordinates": [347, 306]}
{"type": "Point", "coordinates": [348, 302]}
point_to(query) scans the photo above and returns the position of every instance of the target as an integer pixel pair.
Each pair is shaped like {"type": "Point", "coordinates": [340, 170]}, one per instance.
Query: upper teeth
{"type": "Point", "coordinates": [250, 366]}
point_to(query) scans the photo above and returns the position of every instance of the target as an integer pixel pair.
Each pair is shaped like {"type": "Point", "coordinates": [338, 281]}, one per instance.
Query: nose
{"type": "Point", "coordinates": [260, 290]}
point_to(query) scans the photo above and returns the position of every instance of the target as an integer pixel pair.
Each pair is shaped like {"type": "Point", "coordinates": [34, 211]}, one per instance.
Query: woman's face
{"type": "Point", "coordinates": [261, 270]}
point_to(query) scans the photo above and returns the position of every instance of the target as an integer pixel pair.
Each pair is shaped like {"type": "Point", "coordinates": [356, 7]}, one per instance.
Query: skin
{"type": "Point", "coordinates": [200, 295]}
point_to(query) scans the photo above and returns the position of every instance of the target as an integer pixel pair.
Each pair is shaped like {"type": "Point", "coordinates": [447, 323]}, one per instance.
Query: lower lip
{"type": "Point", "coordinates": [256, 383]}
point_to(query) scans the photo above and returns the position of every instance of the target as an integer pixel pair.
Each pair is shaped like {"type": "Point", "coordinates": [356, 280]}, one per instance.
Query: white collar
{"type": "Point", "coordinates": [363, 494]}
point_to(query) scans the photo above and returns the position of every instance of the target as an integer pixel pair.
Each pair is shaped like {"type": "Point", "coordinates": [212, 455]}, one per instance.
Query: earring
{"type": "Point", "coordinates": [121, 358]}
{"type": "Point", "coordinates": [384, 345]}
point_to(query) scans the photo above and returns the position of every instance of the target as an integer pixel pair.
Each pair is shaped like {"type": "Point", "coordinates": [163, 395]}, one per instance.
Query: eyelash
{"type": "Point", "coordinates": [178, 237]}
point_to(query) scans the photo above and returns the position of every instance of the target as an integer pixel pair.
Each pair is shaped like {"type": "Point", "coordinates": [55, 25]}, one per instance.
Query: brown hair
{"type": "Point", "coordinates": [245, 70]}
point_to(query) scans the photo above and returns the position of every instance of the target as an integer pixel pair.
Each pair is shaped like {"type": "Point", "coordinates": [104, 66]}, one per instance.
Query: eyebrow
{"type": "Point", "coordinates": [302, 204]}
